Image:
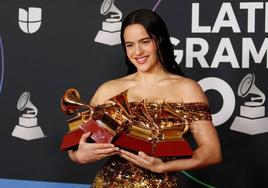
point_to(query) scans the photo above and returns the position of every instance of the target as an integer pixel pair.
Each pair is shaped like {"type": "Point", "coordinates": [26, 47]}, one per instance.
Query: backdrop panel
{"type": "Point", "coordinates": [49, 46]}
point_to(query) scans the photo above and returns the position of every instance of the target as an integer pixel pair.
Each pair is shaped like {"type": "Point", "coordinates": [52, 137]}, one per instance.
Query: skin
{"type": "Point", "coordinates": [151, 82]}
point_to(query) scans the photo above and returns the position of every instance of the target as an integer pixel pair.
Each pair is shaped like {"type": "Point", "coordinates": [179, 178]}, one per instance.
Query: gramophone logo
{"type": "Point", "coordinates": [27, 128]}
{"type": "Point", "coordinates": [110, 33]}
{"type": "Point", "coordinates": [30, 21]}
{"type": "Point", "coordinates": [252, 118]}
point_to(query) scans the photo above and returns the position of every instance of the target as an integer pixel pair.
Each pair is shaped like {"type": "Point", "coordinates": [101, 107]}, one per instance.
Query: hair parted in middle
{"type": "Point", "coordinates": [157, 30]}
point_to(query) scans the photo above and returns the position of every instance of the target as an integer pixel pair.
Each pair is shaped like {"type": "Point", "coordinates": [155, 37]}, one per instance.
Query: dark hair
{"type": "Point", "coordinates": [156, 28]}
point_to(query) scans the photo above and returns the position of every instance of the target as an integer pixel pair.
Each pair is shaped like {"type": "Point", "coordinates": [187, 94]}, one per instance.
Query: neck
{"type": "Point", "coordinates": [151, 76]}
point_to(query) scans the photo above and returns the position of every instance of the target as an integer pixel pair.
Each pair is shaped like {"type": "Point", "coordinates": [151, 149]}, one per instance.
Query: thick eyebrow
{"type": "Point", "coordinates": [144, 38]}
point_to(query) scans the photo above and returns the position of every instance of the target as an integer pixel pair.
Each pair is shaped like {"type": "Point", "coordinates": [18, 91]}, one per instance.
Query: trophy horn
{"type": "Point", "coordinates": [71, 102]}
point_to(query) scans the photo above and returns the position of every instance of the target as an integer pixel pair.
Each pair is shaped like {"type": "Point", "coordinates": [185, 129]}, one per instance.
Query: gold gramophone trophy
{"type": "Point", "coordinates": [85, 118]}
{"type": "Point", "coordinates": [116, 122]}
{"type": "Point", "coordinates": [163, 141]}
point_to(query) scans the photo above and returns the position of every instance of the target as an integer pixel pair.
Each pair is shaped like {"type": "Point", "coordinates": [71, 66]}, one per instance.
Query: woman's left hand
{"type": "Point", "coordinates": [151, 163]}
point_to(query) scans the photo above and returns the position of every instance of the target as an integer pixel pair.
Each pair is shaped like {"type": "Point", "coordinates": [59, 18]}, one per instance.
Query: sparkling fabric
{"type": "Point", "coordinates": [120, 173]}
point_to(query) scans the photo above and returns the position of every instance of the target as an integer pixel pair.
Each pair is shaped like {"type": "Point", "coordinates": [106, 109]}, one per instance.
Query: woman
{"type": "Point", "coordinates": [156, 77]}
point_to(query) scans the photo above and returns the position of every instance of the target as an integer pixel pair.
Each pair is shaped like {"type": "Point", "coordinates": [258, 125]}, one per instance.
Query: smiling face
{"type": "Point", "coordinates": [140, 48]}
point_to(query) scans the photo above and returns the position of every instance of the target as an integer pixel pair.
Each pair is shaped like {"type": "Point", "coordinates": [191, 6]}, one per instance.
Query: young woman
{"type": "Point", "coordinates": [154, 76]}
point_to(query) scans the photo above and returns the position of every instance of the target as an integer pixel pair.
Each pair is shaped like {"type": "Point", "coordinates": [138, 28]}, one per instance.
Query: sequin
{"type": "Point", "coordinates": [120, 173]}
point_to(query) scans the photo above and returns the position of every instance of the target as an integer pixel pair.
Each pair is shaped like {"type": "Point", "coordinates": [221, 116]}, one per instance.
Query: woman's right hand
{"type": "Point", "coordinates": [91, 152]}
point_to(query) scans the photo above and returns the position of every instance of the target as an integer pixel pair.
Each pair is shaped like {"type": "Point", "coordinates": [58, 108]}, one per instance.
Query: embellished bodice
{"type": "Point", "coordinates": [170, 114]}
{"type": "Point", "coordinates": [117, 172]}
{"type": "Point", "coordinates": [154, 115]}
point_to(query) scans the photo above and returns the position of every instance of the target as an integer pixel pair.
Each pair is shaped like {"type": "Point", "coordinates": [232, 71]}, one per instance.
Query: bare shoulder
{"type": "Point", "coordinates": [189, 90]}
{"type": "Point", "coordinates": [109, 89]}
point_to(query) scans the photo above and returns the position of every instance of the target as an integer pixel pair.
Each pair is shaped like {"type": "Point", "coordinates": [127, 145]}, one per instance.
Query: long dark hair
{"type": "Point", "coordinates": [156, 28]}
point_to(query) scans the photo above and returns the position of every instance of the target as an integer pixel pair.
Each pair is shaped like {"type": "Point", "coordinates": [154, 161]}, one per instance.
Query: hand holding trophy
{"type": "Point", "coordinates": [86, 118]}
{"type": "Point", "coordinates": [127, 126]}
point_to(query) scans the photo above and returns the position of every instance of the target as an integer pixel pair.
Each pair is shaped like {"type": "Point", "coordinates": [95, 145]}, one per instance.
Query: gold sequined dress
{"type": "Point", "coordinates": [120, 173]}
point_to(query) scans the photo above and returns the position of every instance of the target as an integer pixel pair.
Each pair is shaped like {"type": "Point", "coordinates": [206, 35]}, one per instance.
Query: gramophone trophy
{"type": "Point", "coordinates": [110, 33]}
{"type": "Point", "coordinates": [27, 128]}
{"type": "Point", "coordinates": [101, 124]}
{"type": "Point", "coordinates": [164, 142]}
{"type": "Point", "coordinates": [117, 123]}
{"type": "Point", "coordinates": [252, 118]}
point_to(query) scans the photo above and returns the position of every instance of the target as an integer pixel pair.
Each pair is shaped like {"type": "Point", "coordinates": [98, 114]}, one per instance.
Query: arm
{"type": "Point", "coordinates": [208, 149]}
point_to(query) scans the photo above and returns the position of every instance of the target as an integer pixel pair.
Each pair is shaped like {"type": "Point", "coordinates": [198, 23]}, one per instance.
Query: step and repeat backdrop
{"type": "Point", "coordinates": [47, 47]}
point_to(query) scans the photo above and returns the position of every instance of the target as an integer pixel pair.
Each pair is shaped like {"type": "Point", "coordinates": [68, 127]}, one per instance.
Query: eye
{"type": "Point", "coordinates": [128, 45]}
{"type": "Point", "coordinates": [147, 41]}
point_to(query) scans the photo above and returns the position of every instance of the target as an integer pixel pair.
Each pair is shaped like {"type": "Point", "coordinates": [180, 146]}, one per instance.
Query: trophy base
{"type": "Point", "coordinates": [163, 148]}
{"type": "Point", "coordinates": [71, 140]}
{"type": "Point", "coordinates": [250, 126]}
{"type": "Point", "coordinates": [28, 133]}
{"type": "Point", "coordinates": [109, 38]}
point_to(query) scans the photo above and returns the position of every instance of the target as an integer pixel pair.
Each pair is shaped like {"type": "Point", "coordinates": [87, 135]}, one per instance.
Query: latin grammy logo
{"type": "Point", "coordinates": [252, 118]}
{"type": "Point", "coordinates": [110, 33]}
{"type": "Point", "coordinates": [30, 21]}
{"type": "Point", "coordinates": [27, 128]}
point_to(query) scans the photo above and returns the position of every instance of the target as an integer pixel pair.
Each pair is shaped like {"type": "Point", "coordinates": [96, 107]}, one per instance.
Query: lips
{"type": "Point", "coordinates": [141, 60]}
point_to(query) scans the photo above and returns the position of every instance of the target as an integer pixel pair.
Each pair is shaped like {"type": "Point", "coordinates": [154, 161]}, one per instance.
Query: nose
{"type": "Point", "coordinates": [138, 49]}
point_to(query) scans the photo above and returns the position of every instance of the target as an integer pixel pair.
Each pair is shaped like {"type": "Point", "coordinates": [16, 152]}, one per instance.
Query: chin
{"type": "Point", "coordinates": [143, 69]}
